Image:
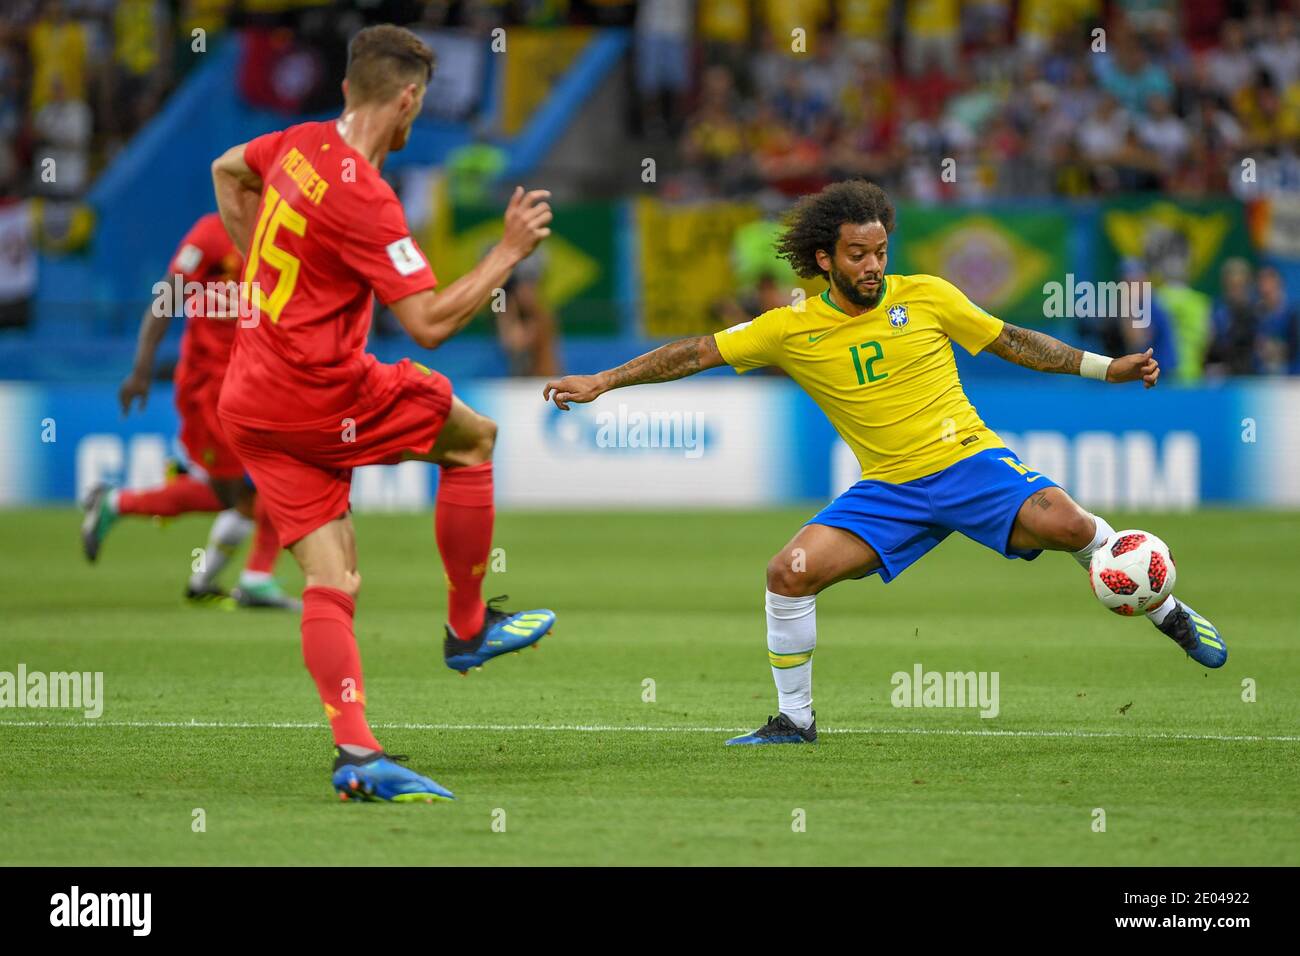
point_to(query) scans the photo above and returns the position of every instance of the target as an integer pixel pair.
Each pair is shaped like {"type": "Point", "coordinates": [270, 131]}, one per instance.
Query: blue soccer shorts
{"type": "Point", "coordinates": [979, 496]}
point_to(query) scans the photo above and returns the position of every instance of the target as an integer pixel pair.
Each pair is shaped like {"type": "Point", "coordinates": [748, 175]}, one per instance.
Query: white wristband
{"type": "Point", "coordinates": [1094, 366]}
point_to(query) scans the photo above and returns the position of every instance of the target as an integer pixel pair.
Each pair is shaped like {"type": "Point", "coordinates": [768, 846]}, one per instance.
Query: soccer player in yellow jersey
{"type": "Point", "coordinates": [874, 351]}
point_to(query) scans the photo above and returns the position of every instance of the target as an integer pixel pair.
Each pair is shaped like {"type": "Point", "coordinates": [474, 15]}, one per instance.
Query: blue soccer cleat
{"type": "Point", "coordinates": [379, 777]}
{"type": "Point", "coordinates": [502, 633]}
{"type": "Point", "coordinates": [1194, 634]}
{"type": "Point", "coordinates": [779, 730]}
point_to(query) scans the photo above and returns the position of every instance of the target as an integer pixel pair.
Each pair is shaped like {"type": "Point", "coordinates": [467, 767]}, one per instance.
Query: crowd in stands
{"type": "Point", "coordinates": [77, 78]}
{"type": "Point", "coordinates": [1251, 328]}
{"type": "Point", "coordinates": [943, 100]}
{"type": "Point", "coordinates": [1254, 329]}
{"type": "Point", "coordinates": [1069, 97]}
{"type": "Point", "coordinates": [937, 100]}
{"type": "Point", "coordinates": [1035, 97]}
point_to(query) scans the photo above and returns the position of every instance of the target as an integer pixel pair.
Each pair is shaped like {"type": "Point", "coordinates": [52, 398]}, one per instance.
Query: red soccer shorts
{"type": "Point", "coordinates": [305, 476]}
{"type": "Point", "coordinates": [202, 435]}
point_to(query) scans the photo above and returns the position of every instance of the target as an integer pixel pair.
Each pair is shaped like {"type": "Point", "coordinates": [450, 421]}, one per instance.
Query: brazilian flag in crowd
{"type": "Point", "coordinates": [1000, 258]}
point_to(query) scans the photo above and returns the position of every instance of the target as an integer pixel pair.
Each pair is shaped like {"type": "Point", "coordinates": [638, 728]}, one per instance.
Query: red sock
{"type": "Point", "coordinates": [180, 495]}
{"type": "Point", "coordinates": [330, 651]}
{"type": "Point", "coordinates": [463, 528]}
{"type": "Point", "coordinates": [266, 543]}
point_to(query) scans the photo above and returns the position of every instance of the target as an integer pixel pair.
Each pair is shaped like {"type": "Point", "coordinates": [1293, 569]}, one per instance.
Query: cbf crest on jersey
{"type": "Point", "coordinates": [898, 316]}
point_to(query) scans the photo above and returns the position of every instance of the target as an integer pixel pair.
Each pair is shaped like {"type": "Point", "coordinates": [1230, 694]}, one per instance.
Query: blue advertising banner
{"type": "Point", "coordinates": [724, 442]}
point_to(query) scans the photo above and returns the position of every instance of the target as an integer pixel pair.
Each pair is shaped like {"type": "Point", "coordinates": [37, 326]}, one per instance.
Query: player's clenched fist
{"type": "Point", "coordinates": [527, 217]}
{"type": "Point", "coordinates": [573, 388]}
{"type": "Point", "coordinates": [1130, 368]}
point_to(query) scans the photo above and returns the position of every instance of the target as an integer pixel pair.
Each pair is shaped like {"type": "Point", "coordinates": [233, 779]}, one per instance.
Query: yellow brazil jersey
{"type": "Point", "coordinates": [886, 379]}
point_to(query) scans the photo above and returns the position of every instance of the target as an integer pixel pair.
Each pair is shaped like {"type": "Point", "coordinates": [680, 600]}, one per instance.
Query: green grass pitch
{"type": "Point", "coordinates": [1095, 711]}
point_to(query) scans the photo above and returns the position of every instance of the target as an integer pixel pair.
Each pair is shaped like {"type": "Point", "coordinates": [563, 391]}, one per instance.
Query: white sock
{"type": "Point", "coordinates": [1104, 531]}
{"type": "Point", "coordinates": [791, 640]}
{"type": "Point", "coordinates": [229, 530]}
{"type": "Point", "coordinates": [1157, 616]}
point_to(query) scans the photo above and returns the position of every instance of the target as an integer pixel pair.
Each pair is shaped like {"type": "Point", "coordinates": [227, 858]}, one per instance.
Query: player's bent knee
{"type": "Point", "coordinates": [783, 577]}
{"type": "Point", "coordinates": [476, 445]}
{"type": "Point", "coordinates": [487, 439]}
{"type": "Point", "coordinates": [1076, 529]}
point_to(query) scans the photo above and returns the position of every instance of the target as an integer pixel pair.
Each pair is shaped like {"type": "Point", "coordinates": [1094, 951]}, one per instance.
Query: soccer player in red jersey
{"type": "Point", "coordinates": [303, 402]}
{"type": "Point", "coordinates": [214, 480]}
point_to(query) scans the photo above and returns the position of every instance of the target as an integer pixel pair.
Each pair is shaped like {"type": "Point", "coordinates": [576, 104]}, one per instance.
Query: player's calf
{"type": "Point", "coordinates": [328, 558]}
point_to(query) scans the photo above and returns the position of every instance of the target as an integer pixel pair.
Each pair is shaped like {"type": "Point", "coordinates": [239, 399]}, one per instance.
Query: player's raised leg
{"type": "Point", "coordinates": [817, 557]}
{"type": "Point", "coordinates": [104, 504]}
{"type": "Point", "coordinates": [1050, 519]}
{"type": "Point", "coordinates": [362, 769]}
{"type": "Point", "coordinates": [476, 630]}
{"type": "Point", "coordinates": [239, 514]}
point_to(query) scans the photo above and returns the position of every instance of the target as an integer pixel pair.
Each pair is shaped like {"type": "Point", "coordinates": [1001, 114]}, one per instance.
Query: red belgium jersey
{"type": "Point", "coordinates": [329, 232]}
{"type": "Point", "coordinates": [206, 254]}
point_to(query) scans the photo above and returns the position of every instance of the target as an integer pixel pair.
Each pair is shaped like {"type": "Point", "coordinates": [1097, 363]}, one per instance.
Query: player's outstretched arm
{"type": "Point", "coordinates": [431, 318]}
{"type": "Point", "coordinates": [672, 361]}
{"type": "Point", "coordinates": [239, 190]}
{"type": "Point", "coordinates": [1043, 353]}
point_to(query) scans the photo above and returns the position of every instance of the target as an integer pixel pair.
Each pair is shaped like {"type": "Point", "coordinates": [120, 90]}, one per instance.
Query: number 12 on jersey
{"type": "Point", "coordinates": [276, 214]}
{"type": "Point", "coordinates": [864, 364]}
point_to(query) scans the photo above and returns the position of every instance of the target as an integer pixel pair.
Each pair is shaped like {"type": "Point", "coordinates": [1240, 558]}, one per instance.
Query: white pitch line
{"type": "Point", "coordinates": [639, 729]}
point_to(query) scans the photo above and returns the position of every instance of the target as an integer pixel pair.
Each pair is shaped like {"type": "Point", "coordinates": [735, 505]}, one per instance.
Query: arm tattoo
{"type": "Point", "coordinates": [1035, 350]}
{"type": "Point", "coordinates": [674, 360]}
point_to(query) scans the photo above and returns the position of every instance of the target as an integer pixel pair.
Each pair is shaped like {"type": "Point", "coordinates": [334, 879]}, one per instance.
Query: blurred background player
{"type": "Point", "coordinates": [526, 324]}
{"type": "Point", "coordinates": [214, 478]}
{"type": "Point", "coordinates": [304, 403]}
{"type": "Point", "coordinates": [874, 351]}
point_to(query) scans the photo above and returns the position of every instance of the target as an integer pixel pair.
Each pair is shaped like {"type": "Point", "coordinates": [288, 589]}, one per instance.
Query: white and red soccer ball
{"type": "Point", "coordinates": [1132, 572]}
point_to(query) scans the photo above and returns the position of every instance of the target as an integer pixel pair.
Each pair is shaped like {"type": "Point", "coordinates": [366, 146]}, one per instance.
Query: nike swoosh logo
{"type": "Point", "coordinates": [813, 338]}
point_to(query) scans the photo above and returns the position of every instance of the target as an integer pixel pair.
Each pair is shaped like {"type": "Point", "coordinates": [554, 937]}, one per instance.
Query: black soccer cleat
{"type": "Point", "coordinates": [779, 730]}
{"type": "Point", "coordinates": [213, 597]}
